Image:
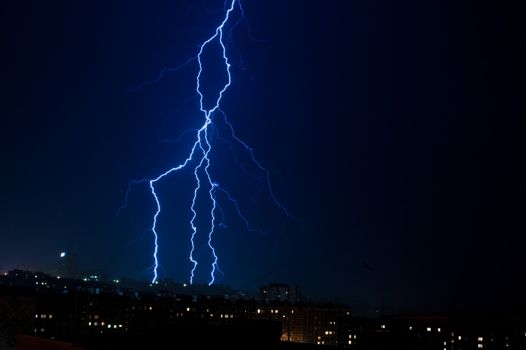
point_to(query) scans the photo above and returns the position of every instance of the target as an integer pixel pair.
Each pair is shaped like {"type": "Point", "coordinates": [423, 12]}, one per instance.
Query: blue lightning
{"type": "Point", "coordinates": [200, 156]}
{"type": "Point", "coordinates": [238, 210]}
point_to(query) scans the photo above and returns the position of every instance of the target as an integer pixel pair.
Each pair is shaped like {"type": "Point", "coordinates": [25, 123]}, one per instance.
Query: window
{"type": "Point", "coordinates": [428, 329]}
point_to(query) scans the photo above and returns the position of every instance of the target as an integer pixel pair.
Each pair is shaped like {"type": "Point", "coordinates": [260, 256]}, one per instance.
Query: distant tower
{"type": "Point", "coordinates": [68, 265]}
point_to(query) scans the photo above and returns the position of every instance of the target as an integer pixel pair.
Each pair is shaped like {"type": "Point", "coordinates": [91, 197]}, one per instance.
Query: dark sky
{"type": "Point", "coordinates": [393, 129]}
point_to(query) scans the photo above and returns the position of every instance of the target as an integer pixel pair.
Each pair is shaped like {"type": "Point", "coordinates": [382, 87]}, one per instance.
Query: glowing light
{"type": "Point", "coordinates": [62, 254]}
{"type": "Point", "coordinates": [199, 157]}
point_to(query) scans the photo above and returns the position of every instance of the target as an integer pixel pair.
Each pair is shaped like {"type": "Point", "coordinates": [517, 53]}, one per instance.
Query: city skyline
{"type": "Point", "coordinates": [394, 132]}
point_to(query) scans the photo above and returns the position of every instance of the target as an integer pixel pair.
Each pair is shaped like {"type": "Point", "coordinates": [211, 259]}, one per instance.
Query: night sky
{"type": "Point", "coordinates": [393, 129]}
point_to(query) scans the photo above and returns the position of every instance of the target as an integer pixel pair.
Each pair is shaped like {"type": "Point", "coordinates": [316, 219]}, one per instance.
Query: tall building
{"type": "Point", "coordinates": [280, 292]}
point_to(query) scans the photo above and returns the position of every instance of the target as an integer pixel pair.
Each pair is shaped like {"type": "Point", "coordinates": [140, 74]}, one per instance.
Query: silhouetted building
{"type": "Point", "coordinates": [100, 315]}
{"type": "Point", "coordinates": [280, 292]}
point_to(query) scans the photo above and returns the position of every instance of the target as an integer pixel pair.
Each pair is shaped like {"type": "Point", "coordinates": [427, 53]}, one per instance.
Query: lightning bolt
{"type": "Point", "coordinates": [200, 155]}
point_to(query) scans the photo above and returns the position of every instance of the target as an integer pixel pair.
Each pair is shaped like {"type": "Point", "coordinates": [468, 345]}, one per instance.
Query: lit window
{"type": "Point", "coordinates": [120, 326]}
{"type": "Point", "coordinates": [459, 337]}
{"type": "Point", "coordinates": [480, 346]}
{"type": "Point", "coordinates": [150, 308]}
{"type": "Point", "coordinates": [350, 336]}
{"type": "Point", "coordinates": [259, 311]}
{"type": "Point", "coordinates": [109, 326]}
{"type": "Point", "coordinates": [102, 323]}
{"type": "Point", "coordinates": [354, 336]}
{"type": "Point", "coordinates": [36, 316]}
{"type": "Point", "coordinates": [187, 309]}
{"type": "Point", "coordinates": [383, 326]}
{"type": "Point", "coordinates": [480, 339]}
{"type": "Point", "coordinates": [428, 329]}
{"type": "Point", "coordinates": [445, 343]}
{"type": "Point", "coordinates": [50, 316]}
{"type": "Point", "coordinates": [89, 323]}
{"type": "Point", "coordinates": [438, 330]}
{"type": "Point", "coordinates": [326, 332]}
{"type": "Point", "coordinates": [350, 342]}
{"type": "Point", "coordinates": [96, 317]}
{"type": "Point", "coordinates": [95, 323]}
{"type": "Point", "coordinates": [410, 328]}
{"type": "Point", "coordinates": [114, 326]}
